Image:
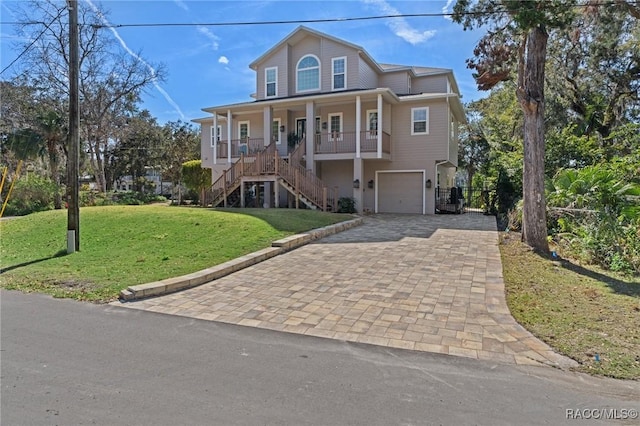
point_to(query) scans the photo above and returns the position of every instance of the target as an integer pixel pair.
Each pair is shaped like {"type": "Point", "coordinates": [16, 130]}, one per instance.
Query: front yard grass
{"type": "Point", "coordinates": [589, 315]}
{"type": "Point", "coordinates": [127, 245]}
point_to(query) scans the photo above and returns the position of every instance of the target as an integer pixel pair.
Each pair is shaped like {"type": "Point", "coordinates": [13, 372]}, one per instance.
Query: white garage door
{"type": "Point", "coordinates": [400, 192]}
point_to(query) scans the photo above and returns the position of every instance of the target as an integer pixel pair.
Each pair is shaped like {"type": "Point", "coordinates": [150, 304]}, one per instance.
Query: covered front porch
{"type": "Point", "coordinates": [345, 125]}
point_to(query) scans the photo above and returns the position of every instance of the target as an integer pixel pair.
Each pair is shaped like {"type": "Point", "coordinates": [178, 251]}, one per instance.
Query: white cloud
{"type": "Point", "coordinates": [223, 60]}
{"type": "Point", "coordinates": [138, 58]}
{"type": "Point", "coordinates": [400, 26]}
{"type": "Point", "coordinates": [182, 5]}
{"type": "Point", "coordinates": [446, 7]}
{"type": "Point", "coordinates": [210, 35]}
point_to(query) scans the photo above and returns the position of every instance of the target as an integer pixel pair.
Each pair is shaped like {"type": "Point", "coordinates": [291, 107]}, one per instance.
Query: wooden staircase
{"type": "Point", "coordinates": [306, 187]}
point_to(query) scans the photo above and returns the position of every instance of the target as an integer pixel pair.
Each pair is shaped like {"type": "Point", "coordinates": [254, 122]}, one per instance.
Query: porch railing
{"type": "Point", "coordinates": [247, 146]}
{"type": "Point", "coordinates": [345, 142]}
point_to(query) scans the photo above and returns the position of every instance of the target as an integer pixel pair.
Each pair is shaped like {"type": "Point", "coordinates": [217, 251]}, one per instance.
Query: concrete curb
{"type": "Point", "coordinates": [170, 285]}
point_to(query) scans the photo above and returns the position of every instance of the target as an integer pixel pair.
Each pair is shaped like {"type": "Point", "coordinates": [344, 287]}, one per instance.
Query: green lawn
{"type": "Point", "coordinates": [581, 312]}
{"type": "Point", "coordinates": [127, 245]}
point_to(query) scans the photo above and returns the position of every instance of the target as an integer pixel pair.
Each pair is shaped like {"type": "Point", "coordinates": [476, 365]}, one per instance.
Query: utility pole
{"type": "Point", "coordinates": [73, 142]}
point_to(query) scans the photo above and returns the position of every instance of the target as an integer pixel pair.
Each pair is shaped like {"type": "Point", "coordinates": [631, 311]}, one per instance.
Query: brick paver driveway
{"type": "Point", "coordinates": [427, 283]}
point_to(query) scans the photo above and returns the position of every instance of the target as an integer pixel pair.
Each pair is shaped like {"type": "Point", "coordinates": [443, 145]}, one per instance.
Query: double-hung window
{"type": "Point", "coordinates": [271, 82]}
{"type": "Point", "coordinates": [339, 73]}
{"type": "Point", "coordinates": [308, 74]}
{"type": "Point", "coordinates": [420, 121]}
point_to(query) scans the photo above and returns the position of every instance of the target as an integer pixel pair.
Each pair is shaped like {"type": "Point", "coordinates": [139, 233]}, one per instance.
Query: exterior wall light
{"type": "Point", "coordinates": [282, 129]}
{"type": "Point", "coordinates": [427, 184]}
{"type": "Point", "coordinates": [356, 183]}
{"type": "Point", "coordinates": [370, 184]}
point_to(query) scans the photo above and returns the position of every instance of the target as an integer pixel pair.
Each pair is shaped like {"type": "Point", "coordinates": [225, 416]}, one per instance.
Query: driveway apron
{"type": "Point", "coordinates": [425, 283]}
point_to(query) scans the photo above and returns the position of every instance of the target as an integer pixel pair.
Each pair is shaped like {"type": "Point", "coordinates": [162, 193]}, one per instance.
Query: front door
{"type": "Point", "coordinates": [301, 128]}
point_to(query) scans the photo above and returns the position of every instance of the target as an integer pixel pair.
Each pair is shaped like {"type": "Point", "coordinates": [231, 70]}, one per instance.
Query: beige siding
{"type": "Point", "coordinates": [331, 49]}
{"type": "Point", "coordinates": [279, 60]}
{"type": "Point", "coordinates": [400, 192]}
{"type": "Point", "coordinates": [368, 79]}
{"type": "Point", "coordinates": [206, 152]}
{"type": "Point", "coordinates": [413, 152]}
{"type": "Point", "coordinates": [429, 84]}
{"type": "Point", "coordinates": [453, 141]}
{"type": "Point", "coordinates": [397, 81]}
{"type": "Point", "coordinates": [337, 173]}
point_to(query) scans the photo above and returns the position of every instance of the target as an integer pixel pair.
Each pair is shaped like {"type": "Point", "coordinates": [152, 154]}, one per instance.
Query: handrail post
{"type": "Point", "coordinates": [275, 163]}
{"type": "Point", "coordinates": [224, 187]}
{"type": "Point", "coordinates": [297, 182]}
{"type": "Point", "coordinates": [241, 164]}
{"type": "Point", "coordinates": [324, 198]}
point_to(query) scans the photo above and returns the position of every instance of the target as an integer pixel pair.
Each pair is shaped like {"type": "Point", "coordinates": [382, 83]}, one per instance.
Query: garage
{"type": "Point", "coordinates": [400, 192]}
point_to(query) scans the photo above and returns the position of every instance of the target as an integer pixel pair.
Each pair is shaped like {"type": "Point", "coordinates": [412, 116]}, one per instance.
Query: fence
{"type": "Point", "coordinates": [459, 199]}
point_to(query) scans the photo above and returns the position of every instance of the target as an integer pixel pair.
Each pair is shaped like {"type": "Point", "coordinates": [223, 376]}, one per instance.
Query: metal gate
{"type": "Point", "coordinates": [461, 199]}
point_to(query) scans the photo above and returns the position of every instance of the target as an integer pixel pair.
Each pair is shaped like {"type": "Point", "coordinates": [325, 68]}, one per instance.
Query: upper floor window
{"type": "Point", "coordinates": [420, 121]}
{"type": "Point", "coordinates": [308, 74]}
{"type": "Point", "coordinates": [338, 73]}
{"type": "Point", "coordinates": [271, 81]}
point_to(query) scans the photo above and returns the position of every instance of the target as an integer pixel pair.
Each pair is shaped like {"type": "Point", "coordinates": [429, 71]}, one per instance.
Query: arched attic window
{"type": "Point", "coordinates": [308, 74]}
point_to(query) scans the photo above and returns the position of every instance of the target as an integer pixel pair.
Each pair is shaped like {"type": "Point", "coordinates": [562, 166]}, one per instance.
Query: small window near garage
{"type": "Point", "coordinates": [271, 81]}
{"type": "Point", "coordinates": [420, 121]}
{"type": "Point", "coordinates": [339, 73]}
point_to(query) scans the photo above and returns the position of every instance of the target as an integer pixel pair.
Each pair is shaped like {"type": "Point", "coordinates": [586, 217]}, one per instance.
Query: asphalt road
{"type": "Point", "coordinates": [71, 363]}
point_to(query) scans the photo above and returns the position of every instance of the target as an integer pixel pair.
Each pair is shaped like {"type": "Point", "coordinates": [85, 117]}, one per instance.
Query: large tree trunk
{"type": "Point", "coordinates": [530, 94]}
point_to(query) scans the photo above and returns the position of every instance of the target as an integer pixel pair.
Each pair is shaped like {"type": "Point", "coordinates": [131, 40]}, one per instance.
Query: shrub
{"type": "Point", "coordinates": [346, 205]}
{"type": "Point", "coordinates": [30, 194]}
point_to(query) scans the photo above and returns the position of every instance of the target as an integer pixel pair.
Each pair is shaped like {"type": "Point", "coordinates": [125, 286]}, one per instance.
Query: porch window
{"type": "Point", "coordinates": [214, 134]}
{"type": "Point", "coordinates": [275, 131]}
{"type": "Point", "coordinates": [420, 121]}
{"type": "Point", "coordinates": [339, 73]}
{"type": "Point", "coordinates": [335, 126]}
{"type": "Point", "coordinates": [243, 130]}
{"type": "Point", "coordinates": [308, 74]}
{"type": "Point", "coordinates": [271, 81]}
{"type": "Point", "coordinates": [372, 124]}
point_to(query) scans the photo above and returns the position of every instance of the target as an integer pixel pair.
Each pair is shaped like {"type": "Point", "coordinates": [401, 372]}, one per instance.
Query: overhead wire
{"type": "Point", "coordinates": [35, 40]}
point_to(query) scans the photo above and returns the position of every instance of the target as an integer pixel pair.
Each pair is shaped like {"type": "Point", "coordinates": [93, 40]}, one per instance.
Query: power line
{"type": "Point", "coordinates": [312, 21]}
{"type": "Point", "coordinates": [26, 49]}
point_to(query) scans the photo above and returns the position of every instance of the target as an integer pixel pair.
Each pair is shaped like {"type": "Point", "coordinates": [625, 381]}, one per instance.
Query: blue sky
{"type": "Point", "coordinates": [209, 65]}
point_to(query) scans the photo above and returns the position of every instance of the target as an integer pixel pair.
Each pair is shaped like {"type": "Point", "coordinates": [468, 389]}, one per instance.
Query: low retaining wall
{"type": "Point", "coordinates": [195, 279]}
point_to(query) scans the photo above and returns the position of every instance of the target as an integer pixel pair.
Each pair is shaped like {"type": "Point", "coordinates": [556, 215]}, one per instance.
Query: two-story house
{"type": "Point", "coordinates": [386, 135]}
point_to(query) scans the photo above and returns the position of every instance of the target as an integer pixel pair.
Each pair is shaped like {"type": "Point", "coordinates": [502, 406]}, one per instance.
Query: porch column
{"type": "Point", "coordinates": [229, 127]}
{"type": "Point", "coordinates": [310, 136]}
{"type": "Point", "coordinates": [358, 165]}
{"type": "Point", "coordinates": [358, 125]}
{"type": "Point", "coordinates": [267, 132]}
{"type": "Point", "coordinates": [215, 138]}
{"type": "Point", "coordinates": [379, 136]}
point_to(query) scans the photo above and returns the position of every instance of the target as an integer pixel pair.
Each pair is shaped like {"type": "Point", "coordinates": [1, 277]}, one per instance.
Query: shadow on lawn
{"type": "Point", "coordinates": [31, 262]}
{"type": "Point", "coordinates": [628, 288]}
